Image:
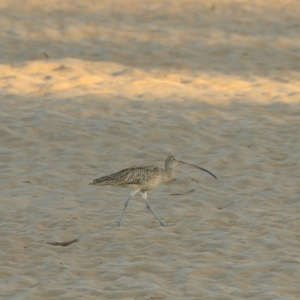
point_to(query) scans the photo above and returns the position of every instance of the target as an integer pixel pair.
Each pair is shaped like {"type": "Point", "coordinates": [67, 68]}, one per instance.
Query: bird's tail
{"type": "Point", "coordinates": [105, 180]}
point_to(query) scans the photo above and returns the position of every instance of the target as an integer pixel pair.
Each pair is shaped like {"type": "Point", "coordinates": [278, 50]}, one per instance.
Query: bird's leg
{"type": "Point", "coordinates": [125, 205]}
{"type": "Point", "coordinates": [148, 206]}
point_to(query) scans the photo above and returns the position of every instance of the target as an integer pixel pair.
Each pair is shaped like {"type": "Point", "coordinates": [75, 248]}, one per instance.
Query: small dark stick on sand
{"type": "Point", "coordinates": [63, 244]}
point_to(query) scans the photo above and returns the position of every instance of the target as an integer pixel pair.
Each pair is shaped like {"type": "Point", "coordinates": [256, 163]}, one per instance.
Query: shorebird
{"type": "Point", "coordinates": [144, 179]}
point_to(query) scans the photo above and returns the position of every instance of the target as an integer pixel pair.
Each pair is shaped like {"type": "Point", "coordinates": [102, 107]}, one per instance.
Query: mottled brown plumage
{"type": "Point", "coordinates": [143, 179]}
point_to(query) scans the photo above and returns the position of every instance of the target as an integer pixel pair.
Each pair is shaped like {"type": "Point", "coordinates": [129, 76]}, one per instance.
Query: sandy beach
{"type": "Point", "coordinates": [92, 87]}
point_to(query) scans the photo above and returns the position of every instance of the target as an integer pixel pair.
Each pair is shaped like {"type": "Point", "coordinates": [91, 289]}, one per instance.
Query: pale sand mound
{"type": "Point", "coordinates": [89, 88]}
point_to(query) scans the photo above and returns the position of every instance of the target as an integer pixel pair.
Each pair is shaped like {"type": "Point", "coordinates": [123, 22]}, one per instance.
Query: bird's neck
{"type": "Point", "coordinates": [169, 172]}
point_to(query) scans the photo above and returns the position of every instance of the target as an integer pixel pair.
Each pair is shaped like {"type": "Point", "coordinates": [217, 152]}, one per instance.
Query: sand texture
{"type": "Point", "coordinates": [92, 87]}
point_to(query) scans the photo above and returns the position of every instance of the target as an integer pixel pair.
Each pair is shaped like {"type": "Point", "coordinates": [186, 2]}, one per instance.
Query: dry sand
{"type": "Point", "coordinates": [91, 87]}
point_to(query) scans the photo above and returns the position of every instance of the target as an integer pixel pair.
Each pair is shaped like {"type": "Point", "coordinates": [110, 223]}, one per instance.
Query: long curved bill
{"type": "Point", "coordinates": [184, 163]}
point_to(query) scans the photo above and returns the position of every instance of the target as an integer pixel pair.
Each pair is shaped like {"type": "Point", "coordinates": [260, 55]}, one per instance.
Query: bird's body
{"type": "Point", "coordinates": [143, 179]}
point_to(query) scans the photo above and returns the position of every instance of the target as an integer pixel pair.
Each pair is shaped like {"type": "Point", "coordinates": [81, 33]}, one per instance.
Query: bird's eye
{"type": "Point", "coordinates": [173, 158]}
